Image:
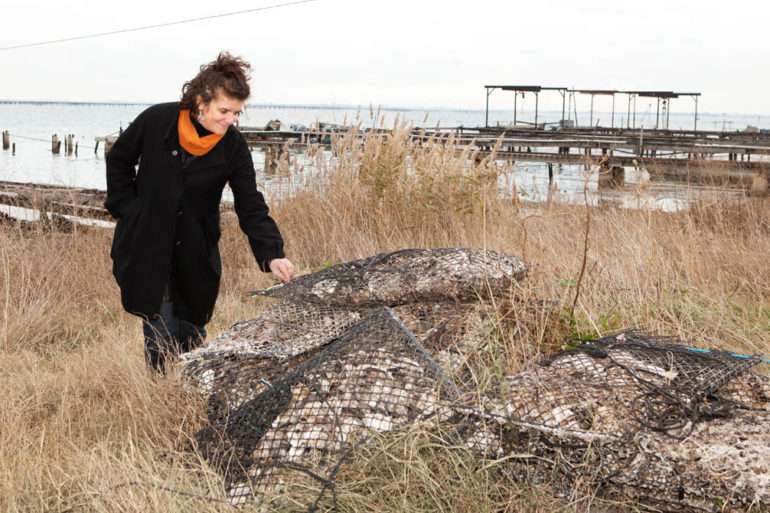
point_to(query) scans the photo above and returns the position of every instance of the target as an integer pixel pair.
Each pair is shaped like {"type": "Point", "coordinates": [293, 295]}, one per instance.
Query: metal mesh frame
{"type": "Point", "coordinates": [627, 379]}
{"type": "Point", "coordinates": [722, 465]}
{"type": "Point", "coordinates": [689, 374]}
{"type": "Point", "coordinates": [374, 378]}
{"type": "Point", "coordinates": [645, 417]}
{"type": "Point", "coordinates": [407, 276]}
{"type": "Point", "coordinates": [295, 390]}
{"type": "Point", "coordinates": [236, 366]}
{"type": "Point", "coordinates": [577, 420]}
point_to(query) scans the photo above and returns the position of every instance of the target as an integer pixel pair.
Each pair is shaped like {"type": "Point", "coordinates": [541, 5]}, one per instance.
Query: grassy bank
{"type": "Point", "coordinates": [84, 427]}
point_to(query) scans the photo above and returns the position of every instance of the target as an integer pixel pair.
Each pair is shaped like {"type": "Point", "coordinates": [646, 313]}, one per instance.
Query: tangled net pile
{"type": "Point", "coordinates": [649, 419]}
{"type": "Point", "coordinates": [372, 345]}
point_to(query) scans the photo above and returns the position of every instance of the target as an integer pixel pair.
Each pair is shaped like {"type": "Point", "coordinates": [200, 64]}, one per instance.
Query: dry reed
{"type": "Point", "coordinates": [84, 426]}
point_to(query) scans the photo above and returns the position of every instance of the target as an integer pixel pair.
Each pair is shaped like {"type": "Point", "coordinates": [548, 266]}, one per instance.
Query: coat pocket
{"type": "Point", "coordinates": [125, 230]}
{"type": "Point", "coordinates": [212, 235]}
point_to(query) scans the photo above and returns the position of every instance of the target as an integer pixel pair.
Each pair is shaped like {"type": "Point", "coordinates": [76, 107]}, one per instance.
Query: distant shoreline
{"type": "Point", "coordinates": [361, 108]}
{"type": "Point", "coordinates": [251, 105]}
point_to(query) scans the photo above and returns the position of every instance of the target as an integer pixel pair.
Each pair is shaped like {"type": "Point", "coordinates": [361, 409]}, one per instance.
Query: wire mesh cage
{"type": "Point", "coordinates": [237, 366]}
{"type": "Point", "coordinates": [374, 378]}
{"type": "Point", "coordinates": [644, 417]}
{"type": "Point", "coordinates": [678, 382]}
{"type": "Point", "coordinates": [722, 465]}
{"type": "Point", "coordinates": [293, 391]}
{"type": "Point", "coordinates": [407, 276]}
{"type": "Point", "coordinates": [586, 417]}
{"type": "Point", "coordinates": [628, 379]}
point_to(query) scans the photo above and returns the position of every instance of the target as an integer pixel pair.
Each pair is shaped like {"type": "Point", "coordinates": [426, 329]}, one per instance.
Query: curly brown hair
{"type": "Point", "coordinates": [227, 73]}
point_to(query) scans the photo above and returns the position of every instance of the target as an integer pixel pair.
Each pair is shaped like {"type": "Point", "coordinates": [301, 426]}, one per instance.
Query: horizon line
{"type": "Point", "coordinates": [321, 106]}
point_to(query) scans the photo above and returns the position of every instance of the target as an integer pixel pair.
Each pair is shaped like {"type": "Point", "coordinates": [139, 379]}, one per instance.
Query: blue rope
{"type": "Point", "coordinates": [739, 356]}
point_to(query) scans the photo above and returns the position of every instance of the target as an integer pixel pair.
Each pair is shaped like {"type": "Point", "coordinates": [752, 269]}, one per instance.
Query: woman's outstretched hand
{"type": "Point", "coordinates": [282, 268]}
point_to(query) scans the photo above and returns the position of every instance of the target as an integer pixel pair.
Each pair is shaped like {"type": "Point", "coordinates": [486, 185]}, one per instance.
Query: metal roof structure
{"type": "Point", "coordinates": [526, 88]}
{"type": "Point", "coordinates": [663, 101]}
{"type": "Point", "coordinates": [523, 89]}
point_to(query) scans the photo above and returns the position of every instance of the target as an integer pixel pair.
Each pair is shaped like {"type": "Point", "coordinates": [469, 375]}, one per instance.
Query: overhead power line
{"type": "Point", "coordinates": [158, 25]}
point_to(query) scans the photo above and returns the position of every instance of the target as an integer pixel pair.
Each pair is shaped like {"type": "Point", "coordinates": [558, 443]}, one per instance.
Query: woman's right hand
{"type": "Point", "coordinates": [282, 268]}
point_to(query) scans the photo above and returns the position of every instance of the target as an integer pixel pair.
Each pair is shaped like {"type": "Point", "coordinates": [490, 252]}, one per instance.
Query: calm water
{"type": "Point", "coordinates": [31, 127]}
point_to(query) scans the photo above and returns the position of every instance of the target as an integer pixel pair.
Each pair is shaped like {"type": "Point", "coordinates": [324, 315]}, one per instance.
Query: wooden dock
{"type": "Point", "coordinates": [737, 157]}
{"type": "Point", "coordinates": [60, 208]}
{"type": "Point", "coordinates": [69, 201]}
{"type": "Point", "coordinates": [616, 147]}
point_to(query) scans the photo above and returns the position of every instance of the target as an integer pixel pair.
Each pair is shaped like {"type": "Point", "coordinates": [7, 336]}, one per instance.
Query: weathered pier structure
{"type": "Point", "coordinates": [616, 146]}
{"type": "Point", "coordinates": [569, 105]}
{"type": "Point", "coordinates": [60, 200]}
{"type": "Point", "coordinates": [621, 143]}
{"type": "Point", "coordinates": [58, 208]}
{"type": "Point", "coordinates": [626, 143]}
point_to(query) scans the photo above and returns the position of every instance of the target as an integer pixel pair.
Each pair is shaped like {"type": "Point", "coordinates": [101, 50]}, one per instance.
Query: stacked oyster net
{"type": "Point", "coordinates": [407, 276]}
{"type": "Point", "coordinates": [433, 291]}
{"type": "Point", "coordinates": [646, 418]}
{"type": "Point", "coordinates": [298, 431]}
{"type": "Point", "coordinates": [663, 386]}
{"type": "Point", "coordinates": [241, 362]}
{"type": "Point", "coordinates": [325, 358]}
{"type": "Point", "coordinates": [650, 419]}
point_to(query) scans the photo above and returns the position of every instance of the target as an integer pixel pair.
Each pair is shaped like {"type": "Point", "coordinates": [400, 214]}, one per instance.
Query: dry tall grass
{"type": "Point", "coordinates": [84, 427]}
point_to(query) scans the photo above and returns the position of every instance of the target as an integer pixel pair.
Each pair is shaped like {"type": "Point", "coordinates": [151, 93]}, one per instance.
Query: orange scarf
{"type": "Point", "coordinates": [189, 138]}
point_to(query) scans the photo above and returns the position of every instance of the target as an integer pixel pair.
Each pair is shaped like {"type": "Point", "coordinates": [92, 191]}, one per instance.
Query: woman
{"type": "Point", "coordinates": [164, 252]}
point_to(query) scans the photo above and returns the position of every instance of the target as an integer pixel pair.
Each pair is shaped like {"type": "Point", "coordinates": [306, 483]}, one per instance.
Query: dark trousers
{"type": "Point", "coordinates": [165, 334]}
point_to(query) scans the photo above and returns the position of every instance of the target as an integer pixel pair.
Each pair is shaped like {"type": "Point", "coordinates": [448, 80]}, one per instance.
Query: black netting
{"type": "Point", "coordinates": [688, 372]}
{"type": "Point", "coordinates": [407, 276]}
{"type": "Point", "coordinates": [677, 382]}
{"type": "Point", "coordinates": [237, 365]}
{"type": "Point", "coordinates": [643, 417]}
{"type": "Point", "coordinates": [625, 381]}
{"type": "Point", "coordinates": [723, 463]}
{"type": "Point", "coordinates": [374, 378]}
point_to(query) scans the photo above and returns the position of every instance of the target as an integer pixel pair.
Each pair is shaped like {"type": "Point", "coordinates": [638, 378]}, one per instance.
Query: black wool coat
{"type": "Point", "coordinates": [168, 215]}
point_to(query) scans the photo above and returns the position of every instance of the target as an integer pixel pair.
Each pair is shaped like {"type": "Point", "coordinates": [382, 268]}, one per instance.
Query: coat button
{"type": "Point", "coordinates": [179, 243]}
{"type": "Point", "coordinates": [179, 212]}
{"type": "Point", "coordinates": [175, 153]}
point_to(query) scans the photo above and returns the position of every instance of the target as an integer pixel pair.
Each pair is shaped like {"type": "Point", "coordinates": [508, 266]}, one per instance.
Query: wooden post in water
{"type": "Point", "coordinates": [6, 139]}
{"type": "Point", "coordinates": [55, 144]}
{"type": "Point", "coordinates": [13, 150]}
{"type": "Point", "coordinates": [108, 142]}
{"type": "Point", "coordinates": [272, 154]}
{"type": "Point", "coordinates": [611, 177]}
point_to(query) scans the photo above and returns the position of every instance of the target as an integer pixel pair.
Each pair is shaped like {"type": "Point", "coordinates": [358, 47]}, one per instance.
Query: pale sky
{"type": "Point", "coordinates": [416, 53]}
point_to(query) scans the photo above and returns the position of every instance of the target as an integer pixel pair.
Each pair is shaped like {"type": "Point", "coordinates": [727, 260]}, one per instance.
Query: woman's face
{"type": "Point", "coordinates": [218, 114]}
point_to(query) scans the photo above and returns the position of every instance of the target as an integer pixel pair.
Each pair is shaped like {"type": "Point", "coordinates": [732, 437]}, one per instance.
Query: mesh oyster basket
{"type": "Point", "coordinates": [406, 276]}
{"type": "Point", "coordinates": [374, 378]}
